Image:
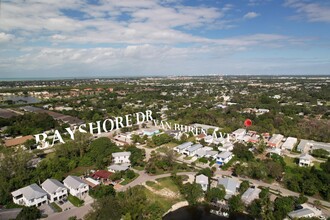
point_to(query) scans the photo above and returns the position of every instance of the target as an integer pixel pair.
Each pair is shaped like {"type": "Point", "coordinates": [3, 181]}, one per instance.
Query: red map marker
{"type": "Point", "coordinates": [247, 122]}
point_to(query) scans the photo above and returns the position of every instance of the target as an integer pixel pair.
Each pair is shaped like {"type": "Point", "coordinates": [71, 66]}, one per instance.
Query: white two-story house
{"type": "Point", "coordinates": [203, 181]}
{"type": "Point", "coordinates": [121, 157]}
{"type": "Point", "coordinates": [305, 160]}
{"type": "Point", "coordinates": [55, 189]}
{"type": "Point", "coordinates": [76, 186]}
{"type": "Point", "coordinates": [191, 151]}
{"type": "Point", "coordinates": [224, 157]}
{"type": "Point", "coordinates": [31, 195]}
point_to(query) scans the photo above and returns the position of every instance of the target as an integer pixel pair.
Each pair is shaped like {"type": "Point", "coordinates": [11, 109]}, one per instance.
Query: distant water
{"type": "Point", "coordinates": [22, 99]}
{"type": "Point", "coordinates": [201, 212]}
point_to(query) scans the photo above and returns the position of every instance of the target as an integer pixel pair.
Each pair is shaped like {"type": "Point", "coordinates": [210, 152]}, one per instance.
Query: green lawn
{"type": "Point", "coordinates": [289, 161]}
{"type": "Point", "coordinates": [154, 185]}
{"type": "Point", "coordinates": [75, 201]}
{"type": "Point", "coordinates": [127, 181]}
{"type": "Point", "coordinates": [138, 168]}
{"type": "Point", "coordinates": [56, 207]}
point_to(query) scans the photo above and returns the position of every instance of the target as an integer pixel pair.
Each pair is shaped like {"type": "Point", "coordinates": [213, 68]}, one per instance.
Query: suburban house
{"type": "Point", "coordinates": [301, 213]}
{"type": "Point", "coordinates": [202, 151]}
{"type": "Point", "coordinates": [290, 143]}
{"type": "Point", "coordinates": [220, 140]}
{"type": "Point", "coordinates": [250, 194]}
{"type": "Point", "coordinates": [305, 160]}
{"type": "Point", "coordinates": [239, 134]}
{"type": "Point", "coordinates": [118, 167]}
{"type": "Point", "coordinates": [31, 195]}
{"type": "Point", "coordinates": [208, 139]}
{"type": "Point", "coordinates": [276, 140]}
{"type": "Point", "coordinates": [228, 146]}
{"type": "Point", "coordinates": [212, 153]}
{"type": "Point", "coordinates": [191, 151]}
{"type": "Point", "coordinates": [55, 189]}
{"type": "Point", "coordinates": [180, 148]}
{"type": "Point", "coordinates": [224, 157]}
{"type": "Point", "coordinates": [121, 157]}
{"type": "Point", "coordinates": [91, 182]}
{"type": "Point", "coordinates": [306, 145]}
{"type": "Point", "coordinates": [203, 181]}
{"type": "Point", "coordinates": [231, 186]}
{"type": "Point", "coordinates": [102, 175]}
{"type": "Point", "coordinates": [76, 186]}
{"type": "Point", "coordinates": [275, 151]}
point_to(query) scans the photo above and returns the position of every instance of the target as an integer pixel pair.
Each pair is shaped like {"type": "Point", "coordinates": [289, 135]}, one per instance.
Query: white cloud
{"type": "Point", "coordinates": [6, 37]}
{"type": "Point", "coordinates": [312, 11]}
{"type": "Point", "coordinates": [251, 15]}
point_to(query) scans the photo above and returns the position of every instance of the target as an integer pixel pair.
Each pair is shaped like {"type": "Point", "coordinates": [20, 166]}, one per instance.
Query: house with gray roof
{"type": "Point", "coordinates": [301, 213]}
{"type": "Point", "coordinates": [231, 186]}
{"type": "Point", "coordinates": [309, 145]}
{"type": "Point", "coordinates": [55, 189]}
{"type": "Point", "coordinates": [191, 151]}
{"type": "Point", "coordinates": [77, 187]}
{"type": "Point", "coordinates": [180, 148]}
{"type": "Point", "coordinates": [118, 167]}
{"type": "Point", "coordinates": [305, 160]}
{"type": "Point", "coordinates": [121, 157]}
{"type": "Point", "coordinates": [224, 157]}
{"type": "Point", "coordinates": [203, 181]}
{"type": "Point", "coordinates": [31, 195]}
{"type": "Point", "coordinates": [250, 194]}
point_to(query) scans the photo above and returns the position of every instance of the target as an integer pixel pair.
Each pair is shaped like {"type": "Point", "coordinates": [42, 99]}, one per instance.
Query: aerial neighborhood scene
{"type": "Point", "coordinates": [160, 109]}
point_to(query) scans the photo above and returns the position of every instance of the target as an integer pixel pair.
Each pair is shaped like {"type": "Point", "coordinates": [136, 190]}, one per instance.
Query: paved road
{"type": "Point", "coordinates": [80, 212]}
{"type": "Point", "coordinates": [9, 213]}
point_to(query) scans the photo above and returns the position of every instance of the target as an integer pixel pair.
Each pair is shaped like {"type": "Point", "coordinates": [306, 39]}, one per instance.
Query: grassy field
{"type": "Point", "coordinates": [78, 171]}
{"type": "Point", "coordinates": [165, 203]}
{"type": "Point", "coordinates": [289, 161]}
{"type": "Point", "coordinates": [162, 183]}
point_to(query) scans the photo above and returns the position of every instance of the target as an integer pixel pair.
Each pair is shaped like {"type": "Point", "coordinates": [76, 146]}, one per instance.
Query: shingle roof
{"type": "Point", "coordinates": [184, 145]}
{"type": "Point", "coordinates": [306, 157]}
{"type": "Point", "coordinates": [230, 184]}
{"type": "Point", "coordinates": [121, 154]}
{"type": "Point", "coordinates": [32, 191]}
{"type": "Point", "coordinates": [300, 213]}
{"type": "Point", "coordinates": [52, 185]}
{"type": "Point", "coordinates": [202, 179]}
{"type": "Point", "coordinates": [74, 182]}
{"type": "Point", "coordinates": [225, 154]}
{"type": "Point", "coordinates": [117, 167]}
{"type": "Point", "coordinates": [194, 147]}
{"type": "Point", "coordinates": [250, 194]}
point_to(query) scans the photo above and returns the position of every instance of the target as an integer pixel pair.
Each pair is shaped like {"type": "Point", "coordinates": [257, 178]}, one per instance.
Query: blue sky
{"type": "Point", "coordinates": [72, 38]}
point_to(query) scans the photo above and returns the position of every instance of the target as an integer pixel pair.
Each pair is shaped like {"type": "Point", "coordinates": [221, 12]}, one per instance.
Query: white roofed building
{"type": "Point", "coordinates": [121, 157]}
{"type": "Point", "coordinates": [77, 187]}
{"type": "Point", "coordinates": [250, 194]}
{"type": "Point", "coordinates": [203, 181]}
{"type": "Point", "coordinates": [224, 157]}
{"type": "Point", "coordinates": [290, 143]}
{"type": "Point", "coordinates": [31, 195]}
{"type": "Point", "coordinates": [55, 189]}
{"type": "Point", "coordinates": [305, 160]}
